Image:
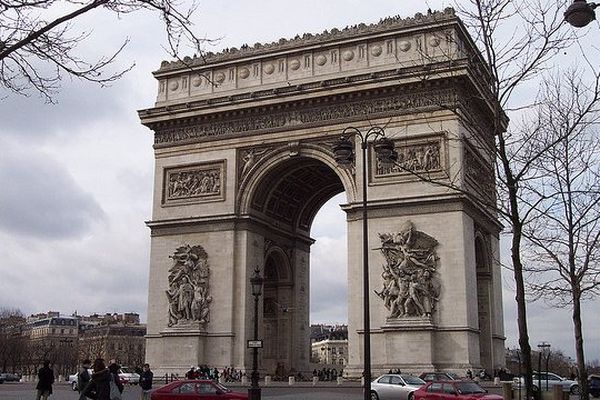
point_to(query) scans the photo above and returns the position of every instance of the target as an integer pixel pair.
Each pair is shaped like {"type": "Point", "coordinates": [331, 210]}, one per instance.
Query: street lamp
{"type": "Point", "coordinates": [256, 283]}
{"type": "Point", "coordinates": [580, 13]}
{"type": "Point", "coordinates": [542, 346]}
{"type": "Point", "coordinates": [343, 151]}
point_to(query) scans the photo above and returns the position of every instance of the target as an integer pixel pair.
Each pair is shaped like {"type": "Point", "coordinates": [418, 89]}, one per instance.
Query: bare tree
{"type": "Point", "coordinates": [563, 197]}
{"type": "Point", "coordinates": [38, 46]}
{"type": "Point", "coordinates": [518, 42]}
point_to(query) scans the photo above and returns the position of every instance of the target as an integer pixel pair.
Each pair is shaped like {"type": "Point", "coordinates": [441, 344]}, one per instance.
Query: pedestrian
{"type": "Point", "coordinates": [469, 374]}
{"type": "Point", "coordinates": [99, 386]}
{"type": "Point", "coordinates": [114, 368]}
{"type": "Point", "coordinates": [45, 381]}
{"type": "Point", "coordinates": [146, 381]}
{"type": "Point", "coordinates": [83, 377]}
{"type": "Point", "coordinates": [191, 374]}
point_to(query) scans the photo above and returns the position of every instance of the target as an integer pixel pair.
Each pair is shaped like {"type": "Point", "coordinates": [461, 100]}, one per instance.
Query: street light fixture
{"type": "Point", "coordinates": [542, 346]}
{"type": "Point", "coordinates": [343, 151]}
{"type": "Point", "coordinates": [580, 13]}
{"type": "Point", "coordinates": [256, 283]}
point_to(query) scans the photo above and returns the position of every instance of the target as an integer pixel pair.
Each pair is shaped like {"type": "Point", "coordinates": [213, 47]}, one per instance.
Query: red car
{"type": "Point", "coordinates": [453, 390]}
{"type": "Point", "coordinates": [196, 390]}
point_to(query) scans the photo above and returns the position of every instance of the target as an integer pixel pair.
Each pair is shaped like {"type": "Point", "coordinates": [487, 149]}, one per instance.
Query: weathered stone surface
{"type": "Point", "coordinates": [244, 162]}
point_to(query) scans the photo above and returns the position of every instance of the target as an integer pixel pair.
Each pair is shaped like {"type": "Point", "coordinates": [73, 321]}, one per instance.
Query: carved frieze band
{"type": "Point", "coordinates": [194, 183]}
{"type": "Point", "coordinates": [188, 293]}
{"type": "Point", "coordinates": [411, 286]}
{"type": "Point", "coordinates": [419, 155]}
{"type": "Point", "coordinates": [398, 104]}
{"type": "Point", "coordinates": [480, 175]}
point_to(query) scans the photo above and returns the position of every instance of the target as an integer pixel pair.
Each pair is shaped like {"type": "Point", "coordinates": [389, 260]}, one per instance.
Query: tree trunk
{"type": "Point", "coordinates": [582, 376]}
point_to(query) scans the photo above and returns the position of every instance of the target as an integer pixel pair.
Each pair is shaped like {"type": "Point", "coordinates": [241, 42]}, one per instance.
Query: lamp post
{"type": "Point", "coordinates": [256, 283]}
{"type": "Point", "coordinates": [542, 346]}
{"type": "Point", "coordinates": [343, 150]}
{"type": "Point", "coordinates": [580, 13]}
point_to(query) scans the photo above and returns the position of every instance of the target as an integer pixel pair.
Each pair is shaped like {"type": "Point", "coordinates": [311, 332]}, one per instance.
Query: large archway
{"type": "Point", "coordinates": [244, 162]}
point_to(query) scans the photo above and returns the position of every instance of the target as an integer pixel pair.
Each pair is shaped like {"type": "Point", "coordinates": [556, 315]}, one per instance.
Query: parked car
{"type": "Point", "coordinates": [594, 385]}
{"type": "Point", "coordinates": [1, 380]}
{"type": "Point", "coordinates": [208, 390]}
{"type": "Point", "coordinates": [395, 386]}
{"type": "Point", "coordinates": [568, 385]}
{"type": "Point", "coordinates": [128, 377]}
{"type": "Point", "coordinates": [439, 376]}
{"type": "Point", "coordinates": [73, 379]}
{"type": "Point", "coordinates": [8, 377]}
{"type": "Point", "coordinates": [454, 390]}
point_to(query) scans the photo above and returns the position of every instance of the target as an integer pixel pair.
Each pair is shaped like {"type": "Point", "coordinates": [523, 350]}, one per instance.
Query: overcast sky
{"type": "Point", "coordinates": [76, 177]}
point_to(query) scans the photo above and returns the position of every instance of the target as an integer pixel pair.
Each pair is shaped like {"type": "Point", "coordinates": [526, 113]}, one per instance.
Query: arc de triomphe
{"type": "Point", "coordinates": [242, 143]}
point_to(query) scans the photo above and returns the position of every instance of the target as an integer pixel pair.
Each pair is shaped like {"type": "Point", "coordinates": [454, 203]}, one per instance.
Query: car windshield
{"type": "Point", "coordinates": [453, 375]}
{"type": "Point", "coordinates": [469, 387]}
{"type": "Point", "coordinates": [125, 370]}
{"type": "Point", "coordinates": [413, 380]}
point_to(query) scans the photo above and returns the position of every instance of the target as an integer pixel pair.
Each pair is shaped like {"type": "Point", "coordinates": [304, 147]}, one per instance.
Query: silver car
{"type": "Point", "coordinates": [549, 379]}
{"type": "Point", "coordinates": [394, 386]}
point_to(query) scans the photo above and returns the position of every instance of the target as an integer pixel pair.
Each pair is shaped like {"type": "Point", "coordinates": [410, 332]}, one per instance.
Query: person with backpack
{"type": "Point", "coordinates": [83, 377]}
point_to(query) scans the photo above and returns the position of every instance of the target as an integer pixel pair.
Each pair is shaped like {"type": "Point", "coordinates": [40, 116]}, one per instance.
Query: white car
{"type": "Point", "coordinates": [128, 376]}
{"type": "Point", "coordinates": [395, 387]}
{"type": "Point", "coordinates": [551, 380]}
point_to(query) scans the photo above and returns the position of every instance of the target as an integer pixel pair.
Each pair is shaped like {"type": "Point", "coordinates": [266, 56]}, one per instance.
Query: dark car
{"type": "Point", "coordinates": [594, 385]}
{"type": "Point", "coordinates": [438, 376]}
{"type": "Point", "coordinates": [204, 389]}
{"type": "Point", "coordinates": [454, 390]}
{"type": "Point", "coordinates": [8, 377]}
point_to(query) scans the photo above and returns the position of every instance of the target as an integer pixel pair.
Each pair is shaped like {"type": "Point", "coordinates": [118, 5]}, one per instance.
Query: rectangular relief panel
{"type": "Point", "coordinates": [423, 156]}
{"type": "Point", "coordinates": [196, 183]}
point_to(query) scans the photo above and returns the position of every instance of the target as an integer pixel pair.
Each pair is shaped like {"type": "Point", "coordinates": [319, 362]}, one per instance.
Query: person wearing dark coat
{"type": "Point", "coordinates": [99, 386]}
{"type": "Point", "coordinates": [146, 381]}
{"type": "Point", "coordinates": [46, 379]}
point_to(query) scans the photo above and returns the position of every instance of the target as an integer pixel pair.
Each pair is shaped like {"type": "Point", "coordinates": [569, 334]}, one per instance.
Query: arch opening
{"type": "Point", "coordinates": [289, 196]}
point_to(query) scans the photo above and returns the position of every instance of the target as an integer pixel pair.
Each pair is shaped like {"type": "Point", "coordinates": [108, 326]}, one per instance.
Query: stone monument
{"type": "Point", "coordinates": [242, 144]}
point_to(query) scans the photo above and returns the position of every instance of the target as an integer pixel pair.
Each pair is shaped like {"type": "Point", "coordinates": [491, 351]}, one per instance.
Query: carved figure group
{"type": "Point", "coordinates": [194, 183]}
{"type": "Point", "coordinates": [416, 158]}
{"type": "Point", "coordinates": [410, 284]}
{"type": "Point", "coordinates": [188, 293]}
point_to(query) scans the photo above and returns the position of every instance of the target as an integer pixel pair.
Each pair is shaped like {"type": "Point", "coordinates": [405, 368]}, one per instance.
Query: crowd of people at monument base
{"type": "Point", "coordinates": [327, 374]}
{"type": "Point", "coordinates": [102, 384]}
{"type": "Point", "coordinates": [205, 372]}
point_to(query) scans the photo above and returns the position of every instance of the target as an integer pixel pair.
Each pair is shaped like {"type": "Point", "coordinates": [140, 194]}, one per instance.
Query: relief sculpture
{"type": "Point", "coordinates": [193, 183]}
{"type": "Point", "coordinates": [411, 287]}
{"type": "Point", "coordinates": [416, 158]}
{"type": "Point", "coordinates": [188, 292]}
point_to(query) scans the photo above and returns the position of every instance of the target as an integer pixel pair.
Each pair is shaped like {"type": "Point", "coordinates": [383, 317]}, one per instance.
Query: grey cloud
{"type": "Point", "coordinates": [40, 199]}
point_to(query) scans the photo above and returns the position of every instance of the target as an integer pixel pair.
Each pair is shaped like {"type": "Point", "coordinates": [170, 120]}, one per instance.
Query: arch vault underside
{"type": "Point", "coordinates": [244, 162]}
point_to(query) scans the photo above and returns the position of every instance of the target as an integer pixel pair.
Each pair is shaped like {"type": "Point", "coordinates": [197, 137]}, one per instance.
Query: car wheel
{"type": "Point", "coordinates": [374, 396]}
{"type": "Point", "coordinates": [74, 386]}
{"type": "Point", "coordinates": [574, 389]}
{"type": "Point", "coordinates": [410, 396]}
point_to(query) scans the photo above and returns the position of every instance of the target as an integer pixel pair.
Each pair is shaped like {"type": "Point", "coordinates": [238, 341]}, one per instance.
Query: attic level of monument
{"type": "Point", "coordinates": [439, 49]}
{"type": "Point", "coordinates": [385, 26]}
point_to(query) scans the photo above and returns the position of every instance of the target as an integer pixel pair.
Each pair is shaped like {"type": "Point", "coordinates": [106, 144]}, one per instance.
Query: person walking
{"type": "Point", "coordinates": [45, 381]}
{"type": "Point", "coordinates": [146, 381]}
{"type": "Point", "coordinates": [83, 377]}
